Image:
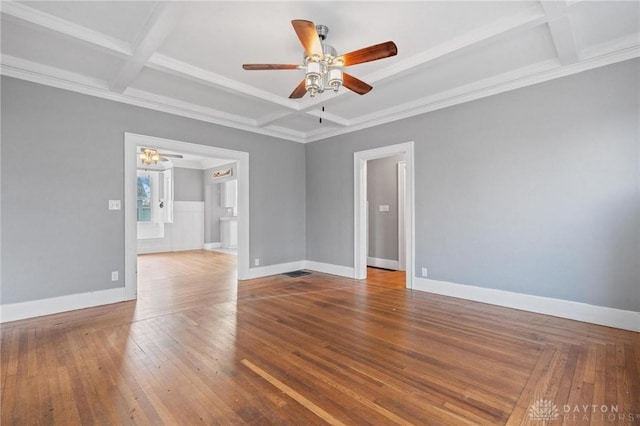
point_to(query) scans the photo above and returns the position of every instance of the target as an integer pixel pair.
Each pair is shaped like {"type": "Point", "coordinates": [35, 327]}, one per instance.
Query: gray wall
{"type": "Point", "coordinates": [382, 189]}
{"type": "Point", "coordinates": [533, 191]}
{"type": "Point", "coordinates": [58, 237]}
{"type": "Point", "coordinates": [188, 184]}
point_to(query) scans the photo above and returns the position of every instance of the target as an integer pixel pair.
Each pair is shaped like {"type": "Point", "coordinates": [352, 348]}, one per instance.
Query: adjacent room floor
{"type": "Point", "coordinates": [198, 348]}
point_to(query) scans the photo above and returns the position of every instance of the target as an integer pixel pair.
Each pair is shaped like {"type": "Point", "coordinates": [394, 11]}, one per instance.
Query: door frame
{"type": "Point", "coordinates": [131, 140]}
{"type": "Point", "coordinates": [402, 204]}
{"type": "Point", "coordinates": [360, 159]}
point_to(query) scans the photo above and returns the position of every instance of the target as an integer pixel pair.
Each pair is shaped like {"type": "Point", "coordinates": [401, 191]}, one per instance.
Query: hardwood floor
{"type": "Point", "coordinates": [386, 278]}
{"type": "Point", "coordinates": [197, 349]}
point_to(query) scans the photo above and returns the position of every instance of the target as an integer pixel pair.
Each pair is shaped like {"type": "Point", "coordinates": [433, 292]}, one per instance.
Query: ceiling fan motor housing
{"type": "Point", "coordinates": [322, 30]}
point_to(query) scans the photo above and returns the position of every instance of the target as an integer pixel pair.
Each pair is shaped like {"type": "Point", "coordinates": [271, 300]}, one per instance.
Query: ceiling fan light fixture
{"type": "Point", "coordinates": [148, 156]}
{"type": "Point", "coordinates": [313, 80]}
{"type": "Point", "coordinates": [335, 78]}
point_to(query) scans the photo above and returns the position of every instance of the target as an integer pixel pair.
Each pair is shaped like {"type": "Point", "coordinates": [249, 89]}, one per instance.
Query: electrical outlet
{"type": "Point", "coordinates": [114, 276]}
{"type": "Point", "coordinates": [424, 272]}
{"type": "Point", "coordinates": [114, 205]}
{"type": "Point", "coordinates": [256, 262]}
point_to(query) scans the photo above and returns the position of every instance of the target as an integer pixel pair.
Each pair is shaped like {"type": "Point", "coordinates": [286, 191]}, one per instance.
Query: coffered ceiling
{"type": "Point", "coordinates": [186, 58]}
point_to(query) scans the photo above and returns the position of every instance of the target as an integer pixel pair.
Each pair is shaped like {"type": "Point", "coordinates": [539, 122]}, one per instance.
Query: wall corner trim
{"type": "Point", "coordinates": [55, 305]}
{"type": "Point", "coordinates": [327, 268]}
{"type": "Point", "coordinates": [601, 315]}
{"type": "Point", "coordinates": [279, 268]}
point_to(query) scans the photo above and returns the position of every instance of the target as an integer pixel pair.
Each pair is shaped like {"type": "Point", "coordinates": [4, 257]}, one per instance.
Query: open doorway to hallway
{"type": "Point", "coordinates": [383, 211]}
{"type": "Point", "coordinates": [386, 186]}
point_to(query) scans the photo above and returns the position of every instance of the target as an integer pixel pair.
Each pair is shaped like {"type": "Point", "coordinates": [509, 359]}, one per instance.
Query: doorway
{"type": "Point", "coordinates": [131, 140]}
{"type": "Point", "coordinates": [361, 227]}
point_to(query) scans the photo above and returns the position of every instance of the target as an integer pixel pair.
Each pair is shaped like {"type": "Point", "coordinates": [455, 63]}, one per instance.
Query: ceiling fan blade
{"type": "Point", "coordinates": [368, 54]}
{"type": "Point", "coordinates": [162, 154]}
{"type": "Point", "coordinates": [258, 67]}
{"type": "Point", "coordinates": [355, 85]}
{"type": "Point", "coordinates": [299, 91]}
{"type": "Point", "coordinates": [308, 35]}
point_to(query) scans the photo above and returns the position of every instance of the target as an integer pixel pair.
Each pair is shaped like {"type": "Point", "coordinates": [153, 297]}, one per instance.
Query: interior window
{"type": "Point", "coordinates": [144, 199]}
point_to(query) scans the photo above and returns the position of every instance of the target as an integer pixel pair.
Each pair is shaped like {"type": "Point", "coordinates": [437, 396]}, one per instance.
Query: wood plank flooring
{"type": "Point", "coordinates": [198, 349]}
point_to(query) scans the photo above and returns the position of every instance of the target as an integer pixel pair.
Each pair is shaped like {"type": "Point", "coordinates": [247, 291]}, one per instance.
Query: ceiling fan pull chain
{"type": "Point", "coordinates": [321, 115]}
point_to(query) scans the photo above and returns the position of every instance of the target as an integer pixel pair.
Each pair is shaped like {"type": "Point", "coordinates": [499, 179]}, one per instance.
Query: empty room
{"type": "Point", "coordinates": [310, 212]}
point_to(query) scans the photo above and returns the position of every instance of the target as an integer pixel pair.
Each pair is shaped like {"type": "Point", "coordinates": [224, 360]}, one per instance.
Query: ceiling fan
{"type": "Point", "coordinates": [151, 155]}
{"type": "Point", "coordinates": [323, 67]}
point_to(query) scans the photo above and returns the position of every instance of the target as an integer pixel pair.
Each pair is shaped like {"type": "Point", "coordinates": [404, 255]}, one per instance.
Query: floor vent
{"type": "Point", "coordinates": [295, 274]}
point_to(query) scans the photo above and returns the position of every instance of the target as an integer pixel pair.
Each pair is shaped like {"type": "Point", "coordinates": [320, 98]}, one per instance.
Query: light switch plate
{"type": "Point", "coordinates": [114, 204]}
{"type": "Point", "coordinates": [384, 208]}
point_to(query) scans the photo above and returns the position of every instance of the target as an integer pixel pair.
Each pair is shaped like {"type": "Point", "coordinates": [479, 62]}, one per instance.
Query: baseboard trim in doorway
{"type": "Point", "coordinates": [55, 305]}
{"type": "Point", "coordinates": [394, 265]}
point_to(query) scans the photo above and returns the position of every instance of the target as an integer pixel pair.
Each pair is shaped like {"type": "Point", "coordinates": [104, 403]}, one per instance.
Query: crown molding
{"type": "Point", "coordinates": [286, 133]}
{"type": "Point", "coordinates": [12, 66]}
{"type": "Point", "coordinates": [609, 53]}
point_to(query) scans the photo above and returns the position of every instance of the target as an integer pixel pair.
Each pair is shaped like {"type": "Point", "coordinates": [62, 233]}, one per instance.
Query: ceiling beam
{"type": "Point", "coordinates": [163, 19]}
{"type": "Point", "coordinates": [67, 28]}
{"type": "Point", "coordinates": [561, 31]}
{"type": "Point", "coordinates": [270, 118]}
{"type": "Point", "coordinates": [326, 116]}
{"type": "Point", "coordinates": [182, 69]}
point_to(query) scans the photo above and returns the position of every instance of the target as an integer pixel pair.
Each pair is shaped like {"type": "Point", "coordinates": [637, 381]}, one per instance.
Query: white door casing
{"type": "Point", "coordinates": [402, 198]}
{"type": "Point", "coordinates": [360, 207]}
{"type": "Point", "coordinates": [131, 140]}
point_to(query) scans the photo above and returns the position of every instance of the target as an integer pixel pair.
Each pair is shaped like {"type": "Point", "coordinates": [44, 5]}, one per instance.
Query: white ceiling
{"type": "Point", "coordinates": [186, 58]}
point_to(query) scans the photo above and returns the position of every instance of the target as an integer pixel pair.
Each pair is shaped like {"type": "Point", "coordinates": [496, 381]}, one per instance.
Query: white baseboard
{"type": "Point", "coordinates": [54, 305]}
{"type": "Point", "coordinates": [328, 268]}
{"type": "Point", "coordinates": [153, 250]}
{"type": "Point", "coordinates": [383, 263]}
{"type": "Point", "coordinates": [280, 268]}
{"type": "Point", "coordinates": [610, 317]}
{"type": "Point", "coordinates": [209, 246]}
